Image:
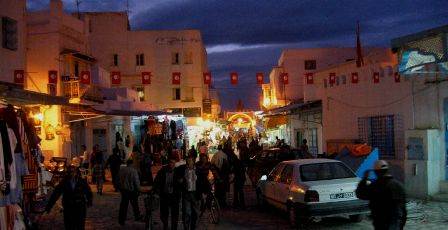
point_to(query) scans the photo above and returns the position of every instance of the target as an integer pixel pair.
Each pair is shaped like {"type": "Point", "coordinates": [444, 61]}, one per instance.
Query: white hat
{"type": "Point", "coordinates": [380, 165]}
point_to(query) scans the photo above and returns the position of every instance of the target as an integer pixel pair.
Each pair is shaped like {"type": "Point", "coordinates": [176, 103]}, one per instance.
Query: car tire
{"type": "Point", "coordinates": [356, 218]}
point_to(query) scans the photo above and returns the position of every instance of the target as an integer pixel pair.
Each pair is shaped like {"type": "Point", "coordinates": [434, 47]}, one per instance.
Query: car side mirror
{"type": "Point", "coordinates": [264, 177]}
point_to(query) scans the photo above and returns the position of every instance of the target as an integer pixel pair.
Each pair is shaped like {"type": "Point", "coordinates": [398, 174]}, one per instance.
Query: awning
{"type": "Point", "coordinates": [79, 55]}
{"type": "Point", "coordinates": [14, 94]}
{"type": "Point", "coordinates": [291, 107]}
{"type": "Point", "coordinates": [137, 113]}
{"type": "Point", "coordinates": [275, 121]}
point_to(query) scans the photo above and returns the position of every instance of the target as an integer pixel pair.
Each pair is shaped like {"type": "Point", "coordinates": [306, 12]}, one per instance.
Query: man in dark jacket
{"type": "Point", "coordinates": [76, 197]}
{"type": "Point", "coordinates": [387, 198]}
{"type": "Point", "coordinates": [166, 184]}
{"type": "Point", "coordinates": [129, 189]}
{"type": "Point", "coordinates": [114, 163]}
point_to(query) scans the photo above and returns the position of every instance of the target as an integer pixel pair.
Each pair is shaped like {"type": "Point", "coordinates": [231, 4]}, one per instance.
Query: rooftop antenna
{"type": "Point", "coordinates": [78, 2]}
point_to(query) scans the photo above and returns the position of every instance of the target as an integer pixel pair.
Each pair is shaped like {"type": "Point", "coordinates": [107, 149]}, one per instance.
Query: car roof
{"type": "Point", "coordinates": [309, 161]}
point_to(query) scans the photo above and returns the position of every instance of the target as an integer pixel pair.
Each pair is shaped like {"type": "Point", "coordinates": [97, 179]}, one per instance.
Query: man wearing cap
{"type": "Point", "coordinates": [387, 198]}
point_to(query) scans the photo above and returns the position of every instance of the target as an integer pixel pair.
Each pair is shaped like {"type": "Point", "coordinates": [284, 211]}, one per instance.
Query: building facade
{"type": "Point", "coordinates": [173, 61]}
{"type": "Point", "coordinates": [13, 39]}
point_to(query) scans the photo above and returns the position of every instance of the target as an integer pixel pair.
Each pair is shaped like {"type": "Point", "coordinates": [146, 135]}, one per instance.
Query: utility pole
{"type": "Point", "coordinates": [78, 2]}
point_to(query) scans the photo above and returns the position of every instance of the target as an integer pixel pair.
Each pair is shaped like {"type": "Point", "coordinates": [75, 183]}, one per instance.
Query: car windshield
{"type": "Point", "coordinates": [325, 171]}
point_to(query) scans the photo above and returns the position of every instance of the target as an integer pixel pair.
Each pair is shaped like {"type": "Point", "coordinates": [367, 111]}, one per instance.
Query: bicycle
{"type": "Point", "coordinates": [211, 205]}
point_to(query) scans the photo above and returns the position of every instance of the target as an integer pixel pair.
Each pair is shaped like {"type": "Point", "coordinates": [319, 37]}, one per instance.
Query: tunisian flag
{"type": "Point", "coordinates": [355, 78]}
{"type": "Point", "coordinates": [233, 78]}
{"type": "Point", "coordinates": [332, 78]}
{"type": "Point", "coordinates": [115, 78]}
{"type": "Point", "coordinates": [146, 78]}
{"type": "Point", "coordinates": [85, 77]}
{"type": "Point", "coordinates": [207, 78]}
{"type": "Point", "coordinates": [376, 77]}
{"type": "Point", "coordinates": [309, 77]}
{"type": "Point", "coordinates": [175, 80]}
{"type": "Point", "coordinates": [52, 77]}
{"type": "Point", "coordinates": [284, 78]}
{"type": "Point", "coordinates": [19, 76]}
{"type": "Point", "coordinates": [260, 78]}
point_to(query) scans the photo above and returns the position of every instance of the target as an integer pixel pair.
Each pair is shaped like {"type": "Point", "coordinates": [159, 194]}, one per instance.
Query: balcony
{"type": "Point", "coordinates": [73, 89]}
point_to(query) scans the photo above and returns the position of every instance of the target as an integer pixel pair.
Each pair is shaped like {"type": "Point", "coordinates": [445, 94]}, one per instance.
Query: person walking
{"type": "Point", "coordinates": [386, 196]}
{"type": "Point", "coordinates": [203, 186]}
{"type": "Point", "coordinates": [220, 164]}
{"type": "Point", "coordinates": [85, 157]}
{"type": "Point", "coordinates": [239, 179]}
{"type": "Point", "coordinates": [76, 197]}
{"type": "Point", "coordinates": [166, 184]}
{"type": "Point", "coordinates": [193, 152]}
{"type": "Point", "coordinates": [129, 189]}
{"type": "Point", "coordinates": [188, 180]}
{"type": "Point", "coordinates": [113, 163]}
{"type": "Point", "coordinates": [98, 169]}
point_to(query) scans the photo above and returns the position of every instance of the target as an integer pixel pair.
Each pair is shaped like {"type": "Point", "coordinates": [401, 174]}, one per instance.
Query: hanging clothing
{"type": "Point", "coordinates": [6, 153]}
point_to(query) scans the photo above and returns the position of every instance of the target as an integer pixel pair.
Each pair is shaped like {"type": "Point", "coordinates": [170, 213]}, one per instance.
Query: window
{"type": "Point", "coordinates": [381, 132]}
{"type": "Point", "coordinates": [325, 171]}
{"type": "Point", "coordinates": [188, 58]}
{"type": "Point", "coordinates": [337, 80]}
{"type": "Point", "coordinates": [344, 79]}
{"type": "Point", "coordinates": [313, 146]}
{"type": "Point", "coordinates": [115, 59]}
{"type": "Point", "coordinates": [175, 59]}
{"type": "Point", "coordinates": [140, 93]}
{"type": "Point", "coordinates": [51, 89]}
{"type": "Point", "coordinates": [140, 59]}
{"type": "Point", "coordinates": [9, 33]}
{"type": "Point", "coordinates": [176, 94]}
{"type": "Point", "coordinates": [310, 64]}
{"type": "Point", "coordinates": [286, 177]}
{"type": "Point", "coordinates": [90, 26]}
{"type": "Point", "coordinates": [76, 69]}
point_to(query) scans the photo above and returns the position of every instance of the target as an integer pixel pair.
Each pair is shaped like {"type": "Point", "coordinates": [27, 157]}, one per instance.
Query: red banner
{"type": "Point", "coordinates": [115, 78]}
{"type": "Point", "coordinates": [175, 78]}
{"type": "Point", "coordinates": [146, 78]}
{"type": "Point", "coordinates": [397, 77]}
{"type": "Point", "coordinates": [207, 78]}
{"type": "Point", "coordinates": [332, 78]}
{"type": "Point", "coordinates": [355, 78]}
{"type": "Point", "coordinates": [19, 76]}
{"type": "Point", "coordinates": [233, 78]}
{"type": "Point", "coordinates": [284, 78]}
{"type": "Point", "coordinates": [260, 79]}
{"type": "Point", "coordinates": [52, 77]}
{"type": "Point", "coordinates": [376, 77]}
{"type": "Point", "coordinates": [309, 77]}
{"type": "Point", "coordinates": [85, 77]}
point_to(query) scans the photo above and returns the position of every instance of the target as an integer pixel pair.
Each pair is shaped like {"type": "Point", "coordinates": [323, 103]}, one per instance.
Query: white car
{"type": "Point", "coordinates": [312, 188]}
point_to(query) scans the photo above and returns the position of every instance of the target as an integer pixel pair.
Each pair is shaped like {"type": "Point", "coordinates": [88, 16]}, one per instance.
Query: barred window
{"type": "Point", "coordinates": [383, 132]}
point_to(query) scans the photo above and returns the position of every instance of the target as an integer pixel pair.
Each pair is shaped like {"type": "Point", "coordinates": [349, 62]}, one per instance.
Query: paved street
{"type": "Point", "coordinates": [104, 213]}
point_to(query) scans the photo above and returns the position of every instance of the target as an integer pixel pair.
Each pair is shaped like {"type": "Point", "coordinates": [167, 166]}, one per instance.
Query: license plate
{"type": "Point", "coordinates": [342, 195]}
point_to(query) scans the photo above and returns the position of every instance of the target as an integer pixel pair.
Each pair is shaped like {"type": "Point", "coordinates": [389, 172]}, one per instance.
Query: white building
{"type": "Point", "coordinates": [158, 52]}
{"type": "Point", "coordinates": [13, 39]}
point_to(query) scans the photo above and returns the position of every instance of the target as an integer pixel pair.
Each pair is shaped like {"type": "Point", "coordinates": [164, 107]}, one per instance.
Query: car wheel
{"type": "Point", "coordinates": [356, 218]}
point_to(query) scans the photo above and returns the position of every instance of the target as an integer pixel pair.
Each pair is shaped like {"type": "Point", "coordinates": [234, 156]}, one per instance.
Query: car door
{"type": "Point", "coordinates": [283, 186]}
{"type": "Point", "coordinates": [271, 183]}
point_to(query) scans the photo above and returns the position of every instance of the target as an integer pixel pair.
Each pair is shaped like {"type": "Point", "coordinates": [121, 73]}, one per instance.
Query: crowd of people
{"type": "Point", "coordinates": [177, 184]}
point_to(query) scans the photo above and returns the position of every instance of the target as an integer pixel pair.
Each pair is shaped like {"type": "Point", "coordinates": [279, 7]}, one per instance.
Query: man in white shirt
{"type": "Point", "coordinates": [190, 196]}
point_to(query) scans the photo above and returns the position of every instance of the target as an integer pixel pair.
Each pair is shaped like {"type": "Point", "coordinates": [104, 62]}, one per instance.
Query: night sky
{"type": "Point", "coordinates": [247, 36]}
